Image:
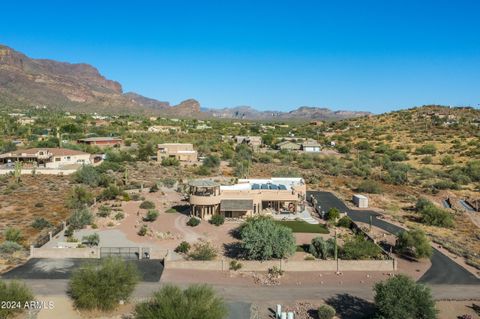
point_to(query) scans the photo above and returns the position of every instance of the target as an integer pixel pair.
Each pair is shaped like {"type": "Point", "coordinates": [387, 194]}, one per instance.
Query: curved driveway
{"type": "Point", "coordinates": [443, 269]}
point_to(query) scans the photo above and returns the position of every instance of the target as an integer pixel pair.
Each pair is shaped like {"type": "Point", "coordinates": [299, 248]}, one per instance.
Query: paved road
{"type": "Point", "coordinates": [443, 271]}
{"type": "Point", "coordinates": [42, 268]}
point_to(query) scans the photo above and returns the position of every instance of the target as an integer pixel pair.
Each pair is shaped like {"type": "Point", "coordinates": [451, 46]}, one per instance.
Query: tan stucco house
{"type": "Point", "coordinates": [183, 152]}
{"type": "Point", "coordinates": [248, 197]}
{"type": "Point", "coordinates": [54, 158]}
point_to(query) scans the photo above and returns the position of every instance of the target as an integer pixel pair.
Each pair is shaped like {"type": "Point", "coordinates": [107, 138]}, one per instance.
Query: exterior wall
{"type": "Point", "coordinates": [40, 171]}
{"type": "Point", "coordinates": [360, 201]}
{"type": "Point", "coordinates": [313, 149]}
{"type": "Point", "coordinates": [59, 253]}
{"type": "Point", "coordinates": [59, 161]}
{"type": "Point", "coordinates": [285, 265]}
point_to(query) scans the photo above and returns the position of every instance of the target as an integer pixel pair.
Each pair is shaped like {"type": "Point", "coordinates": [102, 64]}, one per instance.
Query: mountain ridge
{"type": "Point", "coordinates": [25, 81]}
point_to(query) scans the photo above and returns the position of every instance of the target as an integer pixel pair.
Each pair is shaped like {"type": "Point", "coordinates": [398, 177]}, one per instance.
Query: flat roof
{"type": "Point", "coordinates": [274, 183]}
{"type": "Point", "coordinates": [236, 205]}
{"type": "Point", "coordinates": [96, 139]}
{"type": "Point", "coordinates": [203, 183]}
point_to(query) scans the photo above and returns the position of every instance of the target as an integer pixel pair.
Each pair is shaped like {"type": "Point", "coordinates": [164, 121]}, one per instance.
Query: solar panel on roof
{"type": "Point", "coordinates": [282, 187]}
{"type": "Point", "coordinates": [273, 186]}
{"type": "Point", "coordinates": [264, 186]}
{"type": "Point", "coordinates": [255, 186]}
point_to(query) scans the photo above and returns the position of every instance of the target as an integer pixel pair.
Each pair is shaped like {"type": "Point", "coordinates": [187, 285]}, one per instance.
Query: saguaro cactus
{"type": "Point", "coordinates": [125, 176]}
{"type": "Point", "coordinates": [18, 171]}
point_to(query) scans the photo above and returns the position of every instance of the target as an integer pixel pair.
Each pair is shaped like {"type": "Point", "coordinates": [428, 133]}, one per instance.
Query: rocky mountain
{"type": "Point", "coordinates": [301, 113]}
{"type": "Point", "coordinates": [26, 82]}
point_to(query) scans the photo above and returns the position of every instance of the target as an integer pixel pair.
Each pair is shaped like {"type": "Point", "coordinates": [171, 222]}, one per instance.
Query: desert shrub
{"type": "Point", "coordinates": [103, 286]}
{"type": "Point", "coordinates": [235, 265]}
{"type": "Point", "coordinates": [369, 186]}
{"type": "Point", "coordinates": [263, 239]}
{"type": "Point", "coordinates": [143, 230]}
{"type": "Point", "coordinates": [40, 223]}
{"type": "Point", "coordinates": [472, 169]}
{"type": "Point", "coordinates": [427, 160]}
{"type": "Point", "coordinates": [167, 161]}
{"type": "Point", "coordinates": [119, 216]}
{"type": "Point", "coordinates": [79, 197]}
{"type": "Point", "coordinates": [401, 297]}
{"type": "Point", "coordinates": [432, 215]}
{"type": "Point", "coordinates": [104, 211]}
{"type": "Point", "coordinates": [16, 292]}
{"type": "Point", "coordinates": [211, 161]}
{"type": "Point", "coordinates": [345, 222]}
{"type": "Point", "coordinates": [183, 247]}
{"type": "Point", "coordinates": [151, 216]}
{"type": "Point", "coordinates": [69, 231]}
{"type": "Point", "coordinates": [9, 247]}
{"type": "Point", "coordinates": [111, 192]}
{"type": "Point", "coordinates": [333, 213]}
{"type": "Point", "coordinates": [217, 220]}
{"type": "Point", "coordinates": [193, 221]}
{"type": "Point", "coordinates": [13, 234]}
{"type": "Point", "coordinates": [446, 185]}
{"type": "Point", "coordinates": [413, 243]}
{"type": "Point", "coordinates": [81, 218]}
{"type": "Point", "coordinates": [360, 248]}
{"type": "Point", "coordinates": [275, 272]}
{"type": "Point", "coordinates": [147, 205]}
{"type": "Point", "coordinates": [87, 175]}
{"type": "Point", "coordinates": [170, 302]}
{"type": "Point", "coordinates": [325, 312]}
{"type": "Point", "coordinates": [91, 240]}
{"type": "Point", "coordinates": [397, 173]}
{"type": "Point", "coordinates": [168, 182]}
{"type": "Point", "coordinates": [427, 149]}
{"type": "Point", "coordinates": [154, 188]}
{"type": "Point", "coordinates": [321, 248]}
{"type": "Point", "coordinates": [203, 250]}
{"type": "Point", "coordinates": [446, 160]}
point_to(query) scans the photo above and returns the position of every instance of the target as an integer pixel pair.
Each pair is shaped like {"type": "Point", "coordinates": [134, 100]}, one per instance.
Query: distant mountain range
{"type": "Point", "coordinates": [26, 82]}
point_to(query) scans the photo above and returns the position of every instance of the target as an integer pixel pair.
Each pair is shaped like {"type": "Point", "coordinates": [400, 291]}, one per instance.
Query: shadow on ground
{"type": "Point", "coordinates": [43, 268]}
{"type": "Point", "coordinates": [351, 307]}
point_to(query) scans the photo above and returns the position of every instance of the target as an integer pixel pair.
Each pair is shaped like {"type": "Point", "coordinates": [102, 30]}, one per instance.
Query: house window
{"type": "Point", "coordinates": [57, 159]}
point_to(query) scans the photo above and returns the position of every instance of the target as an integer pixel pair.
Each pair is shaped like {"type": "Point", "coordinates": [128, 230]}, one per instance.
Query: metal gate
{"type": "Point", "coordinates": [131, 253]}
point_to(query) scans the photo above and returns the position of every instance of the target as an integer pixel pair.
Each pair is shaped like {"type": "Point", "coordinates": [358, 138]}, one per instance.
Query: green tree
{"type": "Point", "coordinates": [333, 213]}
{"type": "Point", "coordinates": [400, 297]}
{"type": "Point", "coordinates": [264, 239]}
{"type": "Point", "coordinates": [414, 243]}
{"type": "Point", "coordinates": [170, 302]}
{"type": "Point", "coordinates": [103, 286]}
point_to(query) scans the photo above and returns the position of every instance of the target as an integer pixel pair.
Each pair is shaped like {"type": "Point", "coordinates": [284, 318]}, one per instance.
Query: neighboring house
{"type": "Point", "coordinates": [101, 141]}
{"type": "Point", "coordinates": [310, 146]}
{"type": "Point", "coordinates": [181, 151]}
{"type": "Point", "coordinates": [55, 158]}
{"type": "Point", "coordinates": [252, 141]}
{"type": "Point", "coordinates": [289, 146]}
{"type": "Point", "coordinates": [163, 129]}
{"type": "Point", "coordinates": [249, 197]}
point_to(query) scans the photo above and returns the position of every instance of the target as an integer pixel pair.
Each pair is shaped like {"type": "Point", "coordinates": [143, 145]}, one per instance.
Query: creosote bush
{"type": "Point", "coordinates": [103, 286]}
{"type": "Point", "coordinates": [193, 221]}
{"type": "Point", "coordinates": [170, 302]}
{"type": "Point", "coordinates": [16, 292]}
{"type": "Point", "coordinates": [217, 220]}
{"type": "Point", "coordinates": [147, 205]}
{"type": "Point", "coordinates": [325, 312]}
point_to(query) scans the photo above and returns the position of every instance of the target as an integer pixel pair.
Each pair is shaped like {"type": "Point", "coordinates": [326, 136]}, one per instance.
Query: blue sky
{"type": "Point", "coordinates": [357, 55]}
